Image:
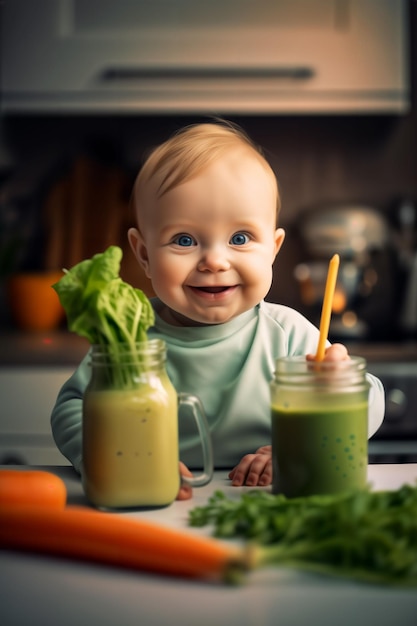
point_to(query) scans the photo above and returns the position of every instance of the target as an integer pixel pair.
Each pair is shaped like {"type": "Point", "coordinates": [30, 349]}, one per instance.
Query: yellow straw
{"type": "Point", "coordinates": [327, 306]}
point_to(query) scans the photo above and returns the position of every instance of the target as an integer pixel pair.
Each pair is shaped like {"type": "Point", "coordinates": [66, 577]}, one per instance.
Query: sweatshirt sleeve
{"type": "Point", "coordinates": [66, 417]}
{"type": "Point", "coordinates": [376, 401]}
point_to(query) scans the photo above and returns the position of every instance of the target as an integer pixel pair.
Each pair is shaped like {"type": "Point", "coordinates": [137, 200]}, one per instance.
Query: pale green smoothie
{"type": "Point", "coordinates": [130, 447]}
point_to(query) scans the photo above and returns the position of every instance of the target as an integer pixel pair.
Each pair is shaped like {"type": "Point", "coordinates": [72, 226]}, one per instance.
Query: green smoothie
{"type": "Point", "coordinates": [322, 448]}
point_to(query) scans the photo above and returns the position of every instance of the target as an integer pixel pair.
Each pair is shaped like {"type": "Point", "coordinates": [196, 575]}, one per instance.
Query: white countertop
{"type": "Point", "coordinates": [44, 591]}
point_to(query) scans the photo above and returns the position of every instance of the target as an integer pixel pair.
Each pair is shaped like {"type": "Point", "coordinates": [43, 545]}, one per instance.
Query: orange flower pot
{"type": "Point", "coordinates": [34, 305]}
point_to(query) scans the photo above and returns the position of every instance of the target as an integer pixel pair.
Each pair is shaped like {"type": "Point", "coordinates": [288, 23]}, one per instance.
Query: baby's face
{"type": "Point", "coordinates": [208, 245]}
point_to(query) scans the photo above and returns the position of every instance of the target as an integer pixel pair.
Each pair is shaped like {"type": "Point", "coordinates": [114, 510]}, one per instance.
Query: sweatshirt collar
{"type": "Point", "coordinates": [211, 331]}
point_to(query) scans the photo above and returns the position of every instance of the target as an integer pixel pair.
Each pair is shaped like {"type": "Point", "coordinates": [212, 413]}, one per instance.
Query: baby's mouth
{"type": "Point", "coordinates": [213, 292]}
{"type": "Point", "coordinates": [212, 289]}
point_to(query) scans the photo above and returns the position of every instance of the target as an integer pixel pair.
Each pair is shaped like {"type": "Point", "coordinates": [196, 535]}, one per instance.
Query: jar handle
{"type": "Point", "coordinates": [205, 437]}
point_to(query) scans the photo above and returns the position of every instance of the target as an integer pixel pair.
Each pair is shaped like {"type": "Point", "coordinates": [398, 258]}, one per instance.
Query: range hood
{"type": "Point", "coordinates": [222, 56]}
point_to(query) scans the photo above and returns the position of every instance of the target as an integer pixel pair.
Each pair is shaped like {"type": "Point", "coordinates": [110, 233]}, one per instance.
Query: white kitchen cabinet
{"type": "Point", "coordinates": [27, 396]}
{"type": "Point", "coordinates": [221, 56]}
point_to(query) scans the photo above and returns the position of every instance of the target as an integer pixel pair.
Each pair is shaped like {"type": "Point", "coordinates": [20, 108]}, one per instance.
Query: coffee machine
{"type": "Point", "coordinates": [364, 302]}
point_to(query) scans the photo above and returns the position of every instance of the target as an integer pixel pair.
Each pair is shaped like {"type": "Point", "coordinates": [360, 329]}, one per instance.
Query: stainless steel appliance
{"type": "Point", "coordinates": [365, 304]}
{"type": "Point", "coordinates": [396, 440]}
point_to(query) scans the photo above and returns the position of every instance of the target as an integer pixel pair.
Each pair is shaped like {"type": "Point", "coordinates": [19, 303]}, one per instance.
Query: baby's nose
{"type": "Point", "coordinates": [214, 260]}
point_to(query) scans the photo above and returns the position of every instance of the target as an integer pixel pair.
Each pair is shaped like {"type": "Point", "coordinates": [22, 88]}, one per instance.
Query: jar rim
{"type": "Point", "coordinates": [296, 370]}
{"type": "Point", "coordinates": [299, 364]}
{"type": "Point", "coordinates": [151, 345]}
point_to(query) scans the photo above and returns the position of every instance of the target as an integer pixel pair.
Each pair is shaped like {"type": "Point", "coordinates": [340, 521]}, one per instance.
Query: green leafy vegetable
{"type": "Point", "coordinates": [101, 307]}
{"type": "Point", "coordinates": [371, 536]}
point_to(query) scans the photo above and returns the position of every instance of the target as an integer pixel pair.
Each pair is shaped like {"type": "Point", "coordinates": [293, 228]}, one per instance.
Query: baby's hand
{"type": "Point", "coordinates": [254, 469]}
{"type": "Point", "coordinates": [335, 352]}
{"type": "Point", "coordinates": [186, 491]}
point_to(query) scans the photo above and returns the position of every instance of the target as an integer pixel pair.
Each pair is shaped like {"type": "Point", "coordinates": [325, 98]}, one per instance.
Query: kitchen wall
{"type": "Point", "coordinates": [318, 159]}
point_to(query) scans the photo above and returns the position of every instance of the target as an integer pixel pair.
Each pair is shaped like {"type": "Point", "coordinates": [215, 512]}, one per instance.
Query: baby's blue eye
{"type": "Point", "coordinates": [239, 239]}
{"type": "Point", "coordinates": [184, 240]}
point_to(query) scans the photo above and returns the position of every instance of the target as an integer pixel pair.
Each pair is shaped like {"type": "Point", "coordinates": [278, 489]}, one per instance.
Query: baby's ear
{"type": "Point", "coordinates": [279, 239]}
{"type": "Point", "coordinates": [139, 248]}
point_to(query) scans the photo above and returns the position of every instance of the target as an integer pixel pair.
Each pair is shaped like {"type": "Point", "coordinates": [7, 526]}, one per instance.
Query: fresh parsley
{"type": "Point", "coordinates": [370, 536]}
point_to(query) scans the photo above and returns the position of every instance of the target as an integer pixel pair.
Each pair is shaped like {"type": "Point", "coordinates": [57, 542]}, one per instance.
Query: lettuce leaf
{"type": "Point", "coordinates": [100, 306]}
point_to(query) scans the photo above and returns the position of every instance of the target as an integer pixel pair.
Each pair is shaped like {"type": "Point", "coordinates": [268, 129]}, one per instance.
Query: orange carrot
{"type": "Point", "coordinates": [35, 487]}
{"type": "Point", "coordinates": [87, 534]}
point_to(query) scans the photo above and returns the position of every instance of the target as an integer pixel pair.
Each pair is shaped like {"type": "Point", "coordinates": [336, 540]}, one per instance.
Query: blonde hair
{"type": "Point", "coordinates": [189, 151]}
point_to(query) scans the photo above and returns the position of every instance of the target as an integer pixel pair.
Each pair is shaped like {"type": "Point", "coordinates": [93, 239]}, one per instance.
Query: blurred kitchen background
{"type": "Point", "coordinates": [328, 88]}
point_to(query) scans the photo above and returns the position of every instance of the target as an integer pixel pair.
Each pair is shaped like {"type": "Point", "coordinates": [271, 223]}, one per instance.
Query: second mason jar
{"type": "Point", "coordinates": [319, 413]}
{"type": "Point", "coordinates": [130, 428]}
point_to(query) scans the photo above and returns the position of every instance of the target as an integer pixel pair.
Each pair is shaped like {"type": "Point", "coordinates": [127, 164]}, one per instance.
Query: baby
{"type": "Point", "coordinates": [207, 203]}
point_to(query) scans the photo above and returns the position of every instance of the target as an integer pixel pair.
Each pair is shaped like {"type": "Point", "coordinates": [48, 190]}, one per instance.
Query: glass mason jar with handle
{"type": "Point", "coordinates": [130, 429]}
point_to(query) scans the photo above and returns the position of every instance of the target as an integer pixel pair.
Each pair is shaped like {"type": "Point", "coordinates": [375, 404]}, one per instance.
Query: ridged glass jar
{"type": "Point", "coordinates": [319, 413]}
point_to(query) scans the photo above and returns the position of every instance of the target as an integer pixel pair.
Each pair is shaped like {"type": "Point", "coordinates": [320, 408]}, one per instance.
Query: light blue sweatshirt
{"type": "Point", "coordinates": [229, 367]}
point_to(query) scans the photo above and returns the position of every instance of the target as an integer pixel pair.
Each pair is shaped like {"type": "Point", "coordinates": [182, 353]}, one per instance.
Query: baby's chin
{"type": "Point", "coordinates": [212, 318]}
{"type": "Point", "coordinates": [175, 318]}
